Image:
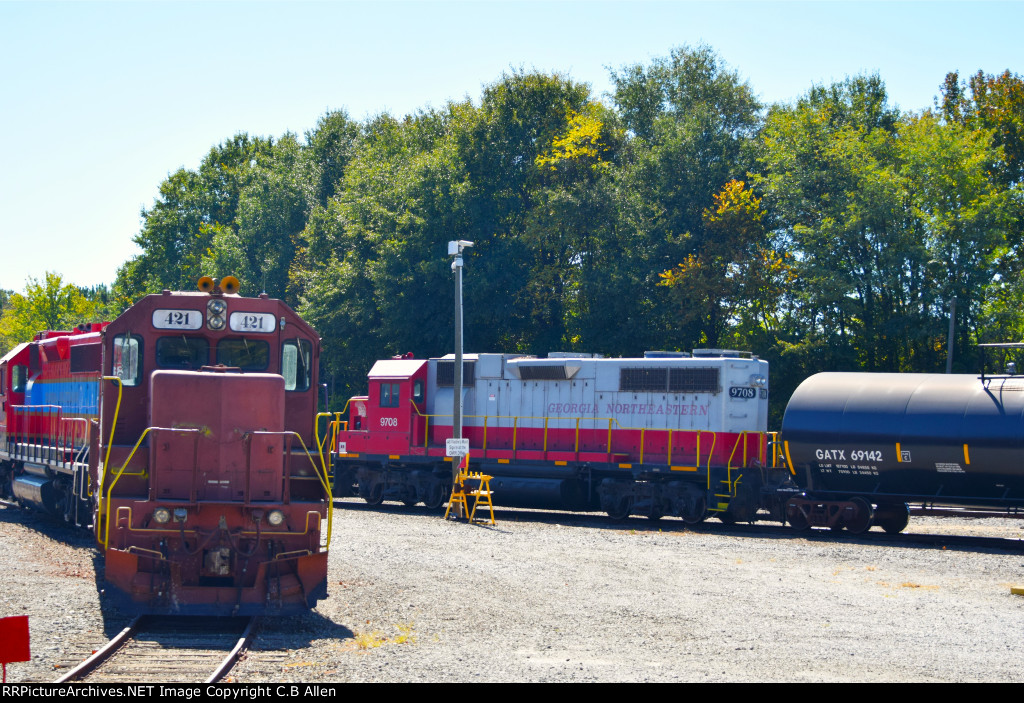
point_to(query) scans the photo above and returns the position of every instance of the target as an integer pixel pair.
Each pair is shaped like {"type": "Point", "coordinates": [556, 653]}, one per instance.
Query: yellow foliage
{"type": "Point", "coordinates": [581, 141]}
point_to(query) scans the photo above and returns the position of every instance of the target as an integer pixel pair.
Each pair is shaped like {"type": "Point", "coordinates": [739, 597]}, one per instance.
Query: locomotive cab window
{"type": "Point", "coordinates": [127, 359]}
{"type": "Point", "coordinates": [296, 364]}
{"type": "Point", "coordinates": [180, 352]}
{"type": "Point", "coordinates": [389, 395]}
{"type": "Point", "coordinates": [246, 354]}
{"type": "Point", "coordinates": [19, 374]}
{"type": "Point", "coordinates": [417, 391]}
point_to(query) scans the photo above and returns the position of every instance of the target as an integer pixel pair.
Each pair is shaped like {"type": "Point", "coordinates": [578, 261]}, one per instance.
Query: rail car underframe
{"type": "Point", "coordinates": [618, 488]}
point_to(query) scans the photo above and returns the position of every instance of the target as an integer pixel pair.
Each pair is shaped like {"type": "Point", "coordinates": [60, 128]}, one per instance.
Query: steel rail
{"type": "Point", "coordinates": [236, 651]}
{"type": "Point", "coordinates": [102, 654]}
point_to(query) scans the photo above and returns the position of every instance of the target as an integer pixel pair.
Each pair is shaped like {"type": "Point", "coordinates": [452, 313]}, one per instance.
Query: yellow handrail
{"type": "Point", "coordinates": [711, 452]}
{"type": "Point", "coordinates": [337, 418]}
{"type": "Point", "coordinates": [611, 420]}
{"type": "Point", "coordinates": [110, 440]}
{"type": "Point", "coordinates": [122, 509]}
{"type": "Point", "coordinates": [326, 487]}
{"type": "Point", "coordinates": [322, 479]}
{"type": "Point", "coordinates": [110, 489]}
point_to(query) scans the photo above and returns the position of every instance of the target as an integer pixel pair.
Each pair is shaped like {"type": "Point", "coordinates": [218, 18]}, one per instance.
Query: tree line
{"type": "Point", "coordinates": [833, 233]}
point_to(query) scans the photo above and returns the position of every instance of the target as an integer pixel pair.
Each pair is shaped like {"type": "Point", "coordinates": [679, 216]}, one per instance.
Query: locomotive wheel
{"type": "Point", "coordinates": [893, 518]}
{"type": "Point", "coordinates": [375, 496]}
{"type": "Point", "coordinates": [861, 521]}
{"type": "Point", "coordinates": [435, 496]}
{"type": "Point", "coordinates": [621, 510]}
{"type": "Point", "coordinates": [796, 518]}
{"type": "Point", "coordinates": [697, 512]}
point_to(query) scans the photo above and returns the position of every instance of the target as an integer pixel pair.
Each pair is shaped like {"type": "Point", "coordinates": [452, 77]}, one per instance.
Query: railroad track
{"type": "Point", "coordinates": [912, 536]}
{"type": "Point", "coordinates": [178, 649]}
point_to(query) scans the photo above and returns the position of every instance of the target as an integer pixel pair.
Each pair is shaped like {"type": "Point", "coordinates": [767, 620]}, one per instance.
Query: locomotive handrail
{"type": "Point", "coordinates": [735, 446]}
{"type": "Point", "coordinates": [177, 530]}
{"type": "Point", "coordinates": [56, 438]}
{"type": "Point", "coordinates": [514, 420]}
{"type": "Point", "coordinates": [426, 427]}
{"type": "Point", "coordinates": [113, 427]}
{"type": "Point", "coordinates": [711, 452]}
{"type": "Point", "coordinates": [337, 420]}
{"type": "Point", "coordinates": [320, 442]}
{"type": "Point", "coordinates": [117, 477]}
{"type": "Point", "coordinates": [323, 482]}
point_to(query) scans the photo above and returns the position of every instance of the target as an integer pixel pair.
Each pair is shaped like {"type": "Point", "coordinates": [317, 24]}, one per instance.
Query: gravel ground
{"type": "Point", "coordinates": [560, 597]}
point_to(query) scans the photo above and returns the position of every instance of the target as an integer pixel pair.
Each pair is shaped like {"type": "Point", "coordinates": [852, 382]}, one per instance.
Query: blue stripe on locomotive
{"type": "Point", "coordinates": [76, 398]}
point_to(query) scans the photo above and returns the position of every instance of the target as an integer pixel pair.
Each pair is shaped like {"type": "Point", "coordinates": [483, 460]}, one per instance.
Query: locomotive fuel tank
{"type": "Point", "coordinates": [955, 439]}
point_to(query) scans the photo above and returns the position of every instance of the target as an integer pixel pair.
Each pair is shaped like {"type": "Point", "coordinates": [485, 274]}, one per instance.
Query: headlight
{"type": "Point", "coordinates": [180, 514]}
{"type": "Point", "coordinates": [275, 518]}
{"type": "Point", "coordinates": [162, 515]}
{"type": "Point", "coordinates": [215, 311]}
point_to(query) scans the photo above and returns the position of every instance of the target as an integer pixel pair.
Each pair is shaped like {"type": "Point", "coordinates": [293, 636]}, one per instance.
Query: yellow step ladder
{"type": "Point", "coordinates": [481, 494]}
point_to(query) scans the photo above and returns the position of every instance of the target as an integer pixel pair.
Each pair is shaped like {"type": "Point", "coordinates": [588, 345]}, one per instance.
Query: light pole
{"type": "Point", "coordinates": [455, 249]}
{"type": "Point", "coordinates": [949, 340]}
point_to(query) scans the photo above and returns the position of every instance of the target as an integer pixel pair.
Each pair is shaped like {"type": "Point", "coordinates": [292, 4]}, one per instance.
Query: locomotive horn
{"type": "Point", "coordinates": [205, 284]}
{"type": "Point", "coordinates": [229, 284]}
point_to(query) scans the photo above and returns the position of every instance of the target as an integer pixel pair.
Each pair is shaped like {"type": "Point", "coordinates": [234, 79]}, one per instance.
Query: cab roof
{"type": "Point", "coordinates": [396, 368]}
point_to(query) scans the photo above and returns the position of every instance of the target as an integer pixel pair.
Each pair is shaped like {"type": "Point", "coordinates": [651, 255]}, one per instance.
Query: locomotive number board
{"type": "Point", "coordinates": [177, 319]}
{"type": "Point", "coordinates": [264, 322]}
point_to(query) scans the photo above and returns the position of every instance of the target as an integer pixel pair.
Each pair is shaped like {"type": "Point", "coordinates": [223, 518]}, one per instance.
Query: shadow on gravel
{"type": "Point", "coordinates": [297, 631]}
{"type": "Point", "coordinates": [761, 530]}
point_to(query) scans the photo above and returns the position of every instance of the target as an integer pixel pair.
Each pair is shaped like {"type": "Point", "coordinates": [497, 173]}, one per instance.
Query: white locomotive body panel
{"type": "Point", "coordinates": [706, 393]}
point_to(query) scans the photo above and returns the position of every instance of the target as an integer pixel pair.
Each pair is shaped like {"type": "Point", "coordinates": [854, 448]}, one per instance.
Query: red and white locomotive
{"type": "Point", "coordinates": [667, 434]}
{"type": "Point", "coordinates": [181, 432]}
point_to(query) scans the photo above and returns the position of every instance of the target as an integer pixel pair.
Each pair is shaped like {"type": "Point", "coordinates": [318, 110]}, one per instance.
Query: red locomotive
{"type": "Point", "coordinates": [682, 435]}
{"type": "Point", "coordinates": [667, 434]}
{"type": "Point", "coordinates": [181, 432]}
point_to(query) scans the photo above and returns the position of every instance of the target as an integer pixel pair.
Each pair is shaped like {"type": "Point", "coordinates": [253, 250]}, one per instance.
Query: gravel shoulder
{"type": "Point", "coordinates": [563, 597]}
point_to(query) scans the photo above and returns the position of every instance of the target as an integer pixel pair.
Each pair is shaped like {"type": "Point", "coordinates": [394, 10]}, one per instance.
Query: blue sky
{"type": "Point", "coordinates": [99, 102]}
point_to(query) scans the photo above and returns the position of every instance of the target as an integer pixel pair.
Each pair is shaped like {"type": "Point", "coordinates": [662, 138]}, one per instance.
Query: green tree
{"type": "Point", "coordinates": [192, 208]}
{"type": "Point", "coordinates": [963, 216]}
{"type": "Point", "coordinates": [693, 122]}
{"type": "Point", "coordinates": [738, 285]}
{"type": "Point", "coordinates": [996, 103]}
{"type": "Point", "coordinates": [49, 304]}
{"type": "Point", "coordinates": [514, 266]}
{"type": "Point", "coordinates": [258, 245]}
